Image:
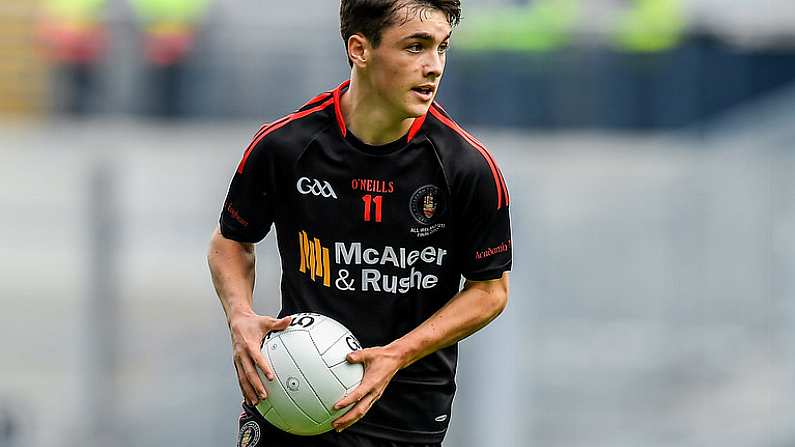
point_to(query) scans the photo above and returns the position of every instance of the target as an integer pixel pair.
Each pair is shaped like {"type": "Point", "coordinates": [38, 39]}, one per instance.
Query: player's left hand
{"type": "Point", "coordinates": [380, 365]}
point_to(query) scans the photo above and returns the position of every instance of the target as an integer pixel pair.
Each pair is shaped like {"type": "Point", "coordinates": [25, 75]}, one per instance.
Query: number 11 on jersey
{"type": "Point", "coordinates": [370, 202]}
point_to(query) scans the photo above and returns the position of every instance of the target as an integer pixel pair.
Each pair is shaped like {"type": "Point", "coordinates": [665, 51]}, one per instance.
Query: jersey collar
{"type": "Point", "coordinates": [338, 106]}
{"type": "Point", "coordinates": [337, 94]}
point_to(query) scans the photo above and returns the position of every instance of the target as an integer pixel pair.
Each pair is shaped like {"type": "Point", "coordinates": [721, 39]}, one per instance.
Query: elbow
{"type": "Point", "coordinates": [496, 300]}
{"type": "Point", "coordinates": [220, 249]}
{"type": "Point", "coordinates": [493, 295]}
{"type": "Point", "coordinates": [214, 249]}
{"type": "Point", "coordinates": [501, 293]}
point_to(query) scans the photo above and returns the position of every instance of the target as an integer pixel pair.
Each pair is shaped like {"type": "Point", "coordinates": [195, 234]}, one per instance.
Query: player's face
{"type": "Point", "coordinates": [407, 66]}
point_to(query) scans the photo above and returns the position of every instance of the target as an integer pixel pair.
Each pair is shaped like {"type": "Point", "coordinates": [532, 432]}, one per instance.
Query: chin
{"type": "Point", "coordinates": [417, 110]}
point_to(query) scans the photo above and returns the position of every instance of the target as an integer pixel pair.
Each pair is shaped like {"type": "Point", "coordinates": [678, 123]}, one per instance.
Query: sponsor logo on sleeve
{"type": "Point", "coordinates": [491, 251]}
{"type": "Point", "coordinates": [236, 215]}
{"type": "Point", "coordinates": [319, 188]}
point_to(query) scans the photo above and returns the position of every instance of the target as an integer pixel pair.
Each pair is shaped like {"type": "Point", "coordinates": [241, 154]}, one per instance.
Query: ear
{"type": "Point", "coordinates": [358, 50]}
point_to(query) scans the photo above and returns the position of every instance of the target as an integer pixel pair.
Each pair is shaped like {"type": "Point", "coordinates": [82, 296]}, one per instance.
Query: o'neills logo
{"type": "Point", "coordinates": [502, 248]}
{"type": "Point", "coordinates": [314, 259]}
{"type": "Point", "coordinates": [372, 185]}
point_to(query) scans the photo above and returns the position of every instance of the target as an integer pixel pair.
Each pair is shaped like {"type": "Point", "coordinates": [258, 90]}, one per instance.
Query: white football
{"type": "Point", "coordinates": [311, 374]}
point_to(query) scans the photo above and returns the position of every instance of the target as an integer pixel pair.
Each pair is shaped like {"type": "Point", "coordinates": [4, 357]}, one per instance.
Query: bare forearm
{"type": "Point", "coordinates": [232, 268]}
{"type": "Point", "coordinates": [466, 313]}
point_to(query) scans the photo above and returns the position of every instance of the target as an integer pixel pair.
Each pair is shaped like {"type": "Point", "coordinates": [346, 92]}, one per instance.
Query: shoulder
{"type": "Point", "coordinates": [459, 149]}
{"type": "Point", "coordinates": [289, 134]}
{"type": "Point", "coordinates": [467, 162]}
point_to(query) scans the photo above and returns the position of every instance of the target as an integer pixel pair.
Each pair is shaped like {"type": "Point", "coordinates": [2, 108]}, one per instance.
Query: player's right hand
{"type": "Point", "coordinates": [248, 331]}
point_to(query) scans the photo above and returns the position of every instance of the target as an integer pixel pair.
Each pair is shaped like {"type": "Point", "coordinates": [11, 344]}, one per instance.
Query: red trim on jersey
{"type": "Point", "coordinates": [415, 127]}
{"type": "Point", "coordinates": [439, 106]}
{"type": "Point", "coordinates": [338, 109]}
{"type": "Point", "coordinates": [487, 153]}
{"type": "Point", "coordinates": [317, 98]}
{"type": "Point", "coordinates": [499, 182]}
{"type": "Point", "coordinates": [256, 139]}
{"type": "Point", "coordinates": [268, 125]}
{"type": "Point", "coordinates": [276, 125]}
{"type": "Point", "coordinates": [505, 189]}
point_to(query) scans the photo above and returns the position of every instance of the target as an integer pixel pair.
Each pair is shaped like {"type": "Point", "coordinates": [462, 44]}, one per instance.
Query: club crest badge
{"type": "Point", "coordinates": [249, 435]}
{"type": "Point", "coordinates": [427, 204]}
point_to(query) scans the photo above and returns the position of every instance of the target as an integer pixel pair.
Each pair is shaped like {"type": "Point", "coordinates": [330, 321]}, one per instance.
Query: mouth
{"type": "Point", "coordinates": [425, 91]}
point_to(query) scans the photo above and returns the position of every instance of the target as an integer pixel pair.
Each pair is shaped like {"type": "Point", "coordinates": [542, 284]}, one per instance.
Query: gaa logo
{"type": "Point", "coordinates": [315, 187]}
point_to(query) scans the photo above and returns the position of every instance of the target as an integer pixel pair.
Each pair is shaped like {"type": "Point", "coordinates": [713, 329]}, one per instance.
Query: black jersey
{"type": "Point", "coordinates": [377, 238]}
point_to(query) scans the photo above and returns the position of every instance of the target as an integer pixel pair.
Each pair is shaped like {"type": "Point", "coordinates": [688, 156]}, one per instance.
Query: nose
{"type": "Point", "coordinates": [433, 65]}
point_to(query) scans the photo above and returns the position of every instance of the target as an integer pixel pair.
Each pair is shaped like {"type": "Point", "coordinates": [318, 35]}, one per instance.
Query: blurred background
{"type": "Point", "coordinates": [649, 147]}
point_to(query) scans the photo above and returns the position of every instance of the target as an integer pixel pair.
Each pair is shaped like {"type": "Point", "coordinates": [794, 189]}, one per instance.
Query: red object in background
{"type": "Point", "coordinates": [168, 48]}
{"type": "Point", "coordinates": [67, 43]}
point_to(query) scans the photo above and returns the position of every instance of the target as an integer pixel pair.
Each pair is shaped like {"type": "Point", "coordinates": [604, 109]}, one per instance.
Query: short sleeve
{"type": "Point", "coordinates": [247, 214]}
{"type": "Point", "coordinates": [485, 232]}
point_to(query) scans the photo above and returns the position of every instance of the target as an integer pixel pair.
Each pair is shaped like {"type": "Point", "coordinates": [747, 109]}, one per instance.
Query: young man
{"type": "Point", "coordinates": [381, 202]}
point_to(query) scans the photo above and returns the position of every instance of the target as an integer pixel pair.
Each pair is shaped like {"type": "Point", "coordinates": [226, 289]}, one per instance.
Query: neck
{"type": "Point", "coordinates": [368, 116]}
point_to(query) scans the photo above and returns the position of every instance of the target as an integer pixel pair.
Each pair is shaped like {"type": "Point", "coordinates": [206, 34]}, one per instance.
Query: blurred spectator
{"type": "Point", "coordinates": [74, 39]}
{"type": "Point", "coordinates": [541, 25]}
{"type": "Point", "coordinates": [169, 28]}
{"type": "Point", "coordinates": [651, 26]}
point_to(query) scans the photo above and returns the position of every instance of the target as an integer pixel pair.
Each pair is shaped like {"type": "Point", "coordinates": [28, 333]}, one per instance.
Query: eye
{"type": "Point", "coordinates": [444, 47]}
{"type": "Point", "coordinates": [414, 48]}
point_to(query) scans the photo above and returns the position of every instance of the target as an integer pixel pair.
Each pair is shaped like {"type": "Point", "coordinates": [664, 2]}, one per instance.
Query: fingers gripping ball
{"type": "Point", "coordinates": [311, 374]}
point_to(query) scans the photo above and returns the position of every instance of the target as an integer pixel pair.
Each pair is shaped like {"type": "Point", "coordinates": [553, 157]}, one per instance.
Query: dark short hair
{"type": "Point", "coordinates": [371, 17]}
